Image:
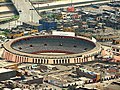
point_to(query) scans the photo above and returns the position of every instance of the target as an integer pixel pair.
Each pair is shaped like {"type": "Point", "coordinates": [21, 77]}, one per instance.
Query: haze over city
{"type": "Point", "coordinates": [59, 44]}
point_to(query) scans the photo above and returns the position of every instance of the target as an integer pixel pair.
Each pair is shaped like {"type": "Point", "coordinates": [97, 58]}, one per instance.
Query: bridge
{"type": "Point", "coordinates": [26, 11]}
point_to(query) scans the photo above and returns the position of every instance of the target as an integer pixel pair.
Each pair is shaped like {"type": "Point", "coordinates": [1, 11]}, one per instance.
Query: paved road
{"type": "Point", "coordinates": [27, 15]}
{"type": "Point", "coordinates": [50, 6]}
{"type": "Point", "coordinates": [26, 10]}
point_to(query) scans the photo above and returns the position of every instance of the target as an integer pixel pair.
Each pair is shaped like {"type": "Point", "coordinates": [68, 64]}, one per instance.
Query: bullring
{"type": "Point", "coordinates": [51, 49]}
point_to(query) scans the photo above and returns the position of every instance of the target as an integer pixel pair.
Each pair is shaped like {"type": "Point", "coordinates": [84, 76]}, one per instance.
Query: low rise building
{"type": "Point", "coordinates": [6, 74]}
{"type": "Point", "coordinates": [89, 74]}
{"type": "Point", "coordinates": [34, 80]}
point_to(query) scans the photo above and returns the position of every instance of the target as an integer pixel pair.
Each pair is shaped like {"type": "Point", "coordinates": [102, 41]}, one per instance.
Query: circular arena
{"type": "Point", "coordinates": [51, 49]}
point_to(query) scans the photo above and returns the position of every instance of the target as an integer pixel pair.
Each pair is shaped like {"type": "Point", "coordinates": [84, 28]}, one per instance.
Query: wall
{"type": "Point", "coordinates": [18, 58]}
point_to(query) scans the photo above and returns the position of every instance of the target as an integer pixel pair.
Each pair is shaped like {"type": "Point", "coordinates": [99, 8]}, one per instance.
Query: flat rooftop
{"type": "Point", "coordinates": [3, 70]}
{"type": "Point", "coordinates": [5, 64]}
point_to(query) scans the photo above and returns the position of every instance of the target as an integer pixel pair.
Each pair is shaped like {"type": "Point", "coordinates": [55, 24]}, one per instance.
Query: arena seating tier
{"type": "Point", "coordinates": [70, 44]}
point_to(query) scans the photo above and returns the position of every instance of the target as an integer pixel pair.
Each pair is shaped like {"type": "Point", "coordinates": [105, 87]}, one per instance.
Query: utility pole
{"type": "Point", "coordinates": [31, 15]}
{"type": "Point", "coordinates": [71, 2]}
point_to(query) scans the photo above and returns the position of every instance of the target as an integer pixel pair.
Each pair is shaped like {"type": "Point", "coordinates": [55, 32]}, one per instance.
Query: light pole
{"type": "Point", "coordinates": [71, 2]}
{"type": "Point", "coordinates": [31, 15]}
{"type": "Point", "coordinates": [16, 3]}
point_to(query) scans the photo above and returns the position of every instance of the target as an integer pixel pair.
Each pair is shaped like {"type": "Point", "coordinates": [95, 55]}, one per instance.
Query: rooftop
{"type": "Point", "coordinates": [5, 64]}
{"type": "Point", "coordinates": [3, 70]}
